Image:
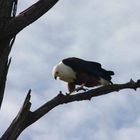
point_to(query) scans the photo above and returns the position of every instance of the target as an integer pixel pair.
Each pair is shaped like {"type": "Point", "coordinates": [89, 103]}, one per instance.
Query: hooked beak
{"type": "Point", "coordinates": [55, 77]}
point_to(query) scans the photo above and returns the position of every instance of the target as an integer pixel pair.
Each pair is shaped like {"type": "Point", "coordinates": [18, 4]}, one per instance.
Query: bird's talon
{"type": "Point", "coordinates": [81, 88]}
{"type": "Point", "coordinates": [85, 89]}
{"type": "Point", "coordinates": [67, 94]}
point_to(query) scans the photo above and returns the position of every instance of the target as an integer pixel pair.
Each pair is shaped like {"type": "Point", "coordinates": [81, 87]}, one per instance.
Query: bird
{"type": "Point", "coordinates": [76, 71]}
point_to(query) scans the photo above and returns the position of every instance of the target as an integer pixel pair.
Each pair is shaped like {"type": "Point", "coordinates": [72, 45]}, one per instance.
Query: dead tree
{"type": "Point", "coordinates": [10, 25]}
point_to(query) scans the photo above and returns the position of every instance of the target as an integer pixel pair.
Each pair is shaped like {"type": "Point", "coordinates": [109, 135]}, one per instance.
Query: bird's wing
{"type": "Point", "coordinates": [80, 65]}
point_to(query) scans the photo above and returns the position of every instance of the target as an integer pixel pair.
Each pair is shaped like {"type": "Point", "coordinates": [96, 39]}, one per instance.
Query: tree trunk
{"type": "Point", "coordinates": [4, 65]}
{"type": "Point", "coordinates": [11, 25]}
{"type": "Point", "coordinates": [7, 11]}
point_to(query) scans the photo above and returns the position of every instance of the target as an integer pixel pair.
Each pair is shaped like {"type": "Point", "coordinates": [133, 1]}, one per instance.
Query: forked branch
{"type": "Point", "coordinates": [25, 117]}
{"type": "Point", "coordinates": [28, 16]}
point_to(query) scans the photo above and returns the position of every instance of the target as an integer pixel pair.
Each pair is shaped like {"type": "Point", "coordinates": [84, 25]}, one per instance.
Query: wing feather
{"type": "Point", "coordinates": [89, 67]}
{"type": "Point", "coordinates": [80, 65]}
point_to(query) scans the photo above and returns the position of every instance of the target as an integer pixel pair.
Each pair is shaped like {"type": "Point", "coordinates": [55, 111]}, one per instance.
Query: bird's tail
{"type": "Point", "coordinates": [107, 75]}
{"type": "Point", "coordinates": [110, 73]}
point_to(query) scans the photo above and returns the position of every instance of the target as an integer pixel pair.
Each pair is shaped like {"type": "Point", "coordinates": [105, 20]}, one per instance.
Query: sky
{"type": "Point", "coordinates": [104, 31]}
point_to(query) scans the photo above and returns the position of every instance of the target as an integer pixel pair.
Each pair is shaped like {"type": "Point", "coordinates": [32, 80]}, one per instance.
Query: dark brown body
{"type": "Point", "coordinates": [87, 80]}
{"type": "Point", "coordinates": [89, 73]}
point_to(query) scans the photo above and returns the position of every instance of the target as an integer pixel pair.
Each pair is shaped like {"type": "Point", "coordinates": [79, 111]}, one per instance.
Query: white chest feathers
{"type": "Point", "coordinates": [64, 72]}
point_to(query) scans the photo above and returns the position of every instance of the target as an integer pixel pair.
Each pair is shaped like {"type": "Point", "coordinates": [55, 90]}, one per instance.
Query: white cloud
{"type": "Point", "coordinates": [128, 134]}
{"type": "Point", "coordinates": [107, 32]}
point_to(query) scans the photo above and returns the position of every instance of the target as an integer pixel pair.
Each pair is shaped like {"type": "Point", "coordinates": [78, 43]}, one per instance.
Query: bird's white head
{"type": "Point", "coordinates": [63, 72]}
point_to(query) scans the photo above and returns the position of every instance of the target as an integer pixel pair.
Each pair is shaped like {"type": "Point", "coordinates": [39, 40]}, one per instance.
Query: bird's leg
{"type": "Point", "coordinates": [81, 87]}
{"type": "Point", "coordinates": [71, 88]}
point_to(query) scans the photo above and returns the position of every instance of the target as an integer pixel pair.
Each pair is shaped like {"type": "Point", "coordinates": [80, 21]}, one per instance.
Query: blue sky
{"type": "Point", "coordinates": [104, 31]}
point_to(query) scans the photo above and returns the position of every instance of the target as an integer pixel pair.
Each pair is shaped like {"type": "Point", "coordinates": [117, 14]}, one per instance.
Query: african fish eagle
{"type": "Point", "coordinates": [76, 71]}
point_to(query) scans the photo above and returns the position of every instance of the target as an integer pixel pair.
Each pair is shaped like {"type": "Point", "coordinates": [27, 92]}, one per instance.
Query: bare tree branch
{"type": "Point", "coordinates": [25, 117]}
{"type": "Point", "coordinates": [19, 123]}
{"type": "Point", "coordinates": [61, 99]}
{"type": "Point", "coordinates": [5, 8]}
{"type": "Point", "coordinates": [28, 16]}
{"type": "Point", "coordinates": [8, 10]}
{"type": "Point", "coordinates": [11, 25]}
